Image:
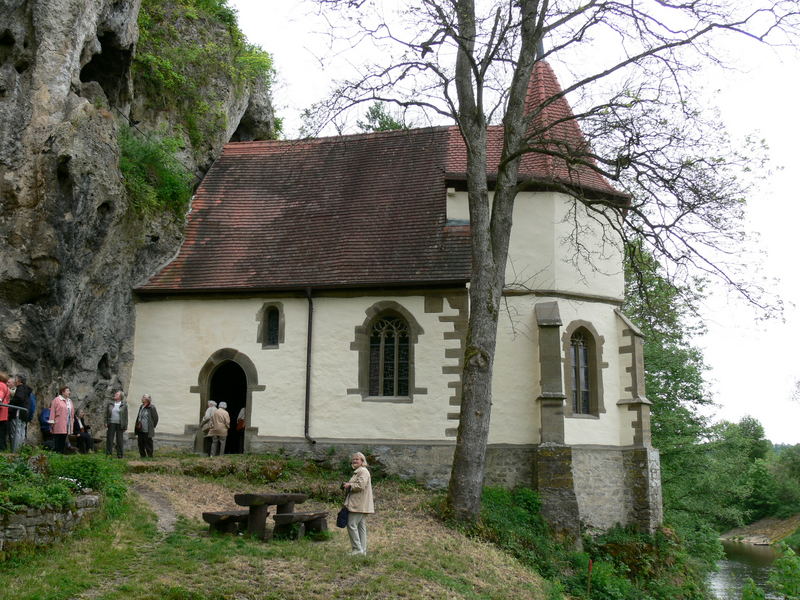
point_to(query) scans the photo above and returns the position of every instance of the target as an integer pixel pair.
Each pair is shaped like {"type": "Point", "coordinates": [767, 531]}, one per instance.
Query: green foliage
{"type": "Point", "coordinates": [154, 177]}
{"type": "Point", "coordinates": [750, 591]}
{"type": "Point", "coordinates": [190, 54]}
{"type": "Point", "coordinates": [512, 520]}
{"type": "Point", "coordinates": [27, 479]}
{"type": "Point", "coordinates": [625, 564]}
{"type": "Point", "coordinates": [378, 118]}
{"type": "Point", "coordinates": [785, 576]}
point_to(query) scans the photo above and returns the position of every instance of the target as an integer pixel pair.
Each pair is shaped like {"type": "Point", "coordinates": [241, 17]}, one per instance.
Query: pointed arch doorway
{"type": "Point", "coordinates": [229, 384]}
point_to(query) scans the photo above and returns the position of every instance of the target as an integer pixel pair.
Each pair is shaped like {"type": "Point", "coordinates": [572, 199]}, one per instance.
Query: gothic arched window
{"type": "Point", "coordinates": [580, 356]}
{"type": "Point", "coordinates": [389, 357]}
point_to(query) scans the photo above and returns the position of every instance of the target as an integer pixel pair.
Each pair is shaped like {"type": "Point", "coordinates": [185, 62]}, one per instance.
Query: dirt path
{"type": "Point", "coordinates": [159, 504]}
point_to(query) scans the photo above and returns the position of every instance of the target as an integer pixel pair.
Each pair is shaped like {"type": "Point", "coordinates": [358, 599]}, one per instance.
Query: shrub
{"type": "Point", "coordinates": [154, 177]}
{"type": "Point", "coordinates": [785, 576]}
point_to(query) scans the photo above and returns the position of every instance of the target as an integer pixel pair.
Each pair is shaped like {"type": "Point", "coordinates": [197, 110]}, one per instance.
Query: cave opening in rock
{"type": "Point", "coordinates": [110, 68]}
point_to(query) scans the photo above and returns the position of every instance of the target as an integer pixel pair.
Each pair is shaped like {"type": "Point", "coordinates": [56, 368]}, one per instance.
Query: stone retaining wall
{"type": "Point", "coordinates": [43, 526]}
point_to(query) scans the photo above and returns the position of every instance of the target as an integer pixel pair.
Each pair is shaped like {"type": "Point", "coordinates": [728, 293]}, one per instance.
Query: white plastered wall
{"type": "Point", "coordinates": [517, 376]}
{"type": "Point", "coordinates": [542, 252]}
{"type": "Point", "coordinates": [174, 338]}
{"type": "Point", "coordinates": [516, 379]}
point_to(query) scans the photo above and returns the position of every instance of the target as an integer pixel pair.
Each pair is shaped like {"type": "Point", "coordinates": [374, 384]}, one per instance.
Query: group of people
{"type": "Point", "coordinates": [59, 420]}
{"type": "Point", "coordinates": [15, 410]}
{"type": "Point", "coordinates": [214, 428]}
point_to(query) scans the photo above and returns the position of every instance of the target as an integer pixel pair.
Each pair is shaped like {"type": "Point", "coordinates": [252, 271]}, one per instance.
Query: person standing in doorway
{"type": "Point", "coordinates": [220, 422]}
{"type": "Point", "coordinates": [62, 413]}
{"type": "Point", "coordinates": [146, 421]}
{"type": "Point", "coordinates": [359, 503]}
{"type": "Point", "coordinates": [205, 427]}
{"type": "Point", "coordinates": [116, 423]}
{"type": "Point", "coordinates": [241, 425]}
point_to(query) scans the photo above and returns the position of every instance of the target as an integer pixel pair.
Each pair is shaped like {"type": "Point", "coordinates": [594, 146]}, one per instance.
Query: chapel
{"type": "Point", "coordinates": [322, 289]}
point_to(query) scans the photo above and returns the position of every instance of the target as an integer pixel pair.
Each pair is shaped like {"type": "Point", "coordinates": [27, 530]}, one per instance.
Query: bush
{"type": "Point", "coordinates": [29, 479]}
{"type": "Point", "coordinates": [91, 471]}
{"type": "Point", "coordinates": [154, 177]}
{"type": "Point", "coordinates": [512, 521]}
{"type": "Point", "coordinates": [785, 576]}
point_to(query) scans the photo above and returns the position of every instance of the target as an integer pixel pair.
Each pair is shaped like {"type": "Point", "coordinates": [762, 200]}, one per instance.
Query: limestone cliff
{"type": "Point", "coordinates": [72, 247]}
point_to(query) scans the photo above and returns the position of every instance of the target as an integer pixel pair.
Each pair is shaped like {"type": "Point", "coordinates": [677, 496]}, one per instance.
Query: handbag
{"type": "Point", "coordinates": [341, 517]}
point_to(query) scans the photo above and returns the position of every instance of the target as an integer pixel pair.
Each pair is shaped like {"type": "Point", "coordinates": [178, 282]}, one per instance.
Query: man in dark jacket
{"type": "Point", "coordinates": [18, 419]}
{"type": "Point", "coordinates": [21, 397]}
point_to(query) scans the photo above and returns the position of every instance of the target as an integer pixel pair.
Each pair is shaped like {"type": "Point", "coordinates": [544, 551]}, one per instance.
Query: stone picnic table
{"type": "Point", "coordinates": [254, 519]}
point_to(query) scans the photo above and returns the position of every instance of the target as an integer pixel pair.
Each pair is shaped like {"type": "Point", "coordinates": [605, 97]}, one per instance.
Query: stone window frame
{"type": "Point", "coordinates": [360, 344]}
{"type": "Point", "coordinates": [596, 366]}
{"type": "Point", "coordinates": [261, 317]}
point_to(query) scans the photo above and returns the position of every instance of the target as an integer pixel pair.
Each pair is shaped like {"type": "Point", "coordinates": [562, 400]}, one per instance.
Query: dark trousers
{"type": "Point", "coordinates": [85, 442]}
{"type": "Point", "coordinates": [3, 435]}
{"type": "Point", "coordinates": [60, 440]}
{"type": "Point", "coordinates": [115, 435]}
{"type": "Point", "coordinates": [145, 444]}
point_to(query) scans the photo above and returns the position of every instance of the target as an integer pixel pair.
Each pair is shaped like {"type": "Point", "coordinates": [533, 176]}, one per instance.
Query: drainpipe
{"type": "Point", "coordinates": [308, 367]}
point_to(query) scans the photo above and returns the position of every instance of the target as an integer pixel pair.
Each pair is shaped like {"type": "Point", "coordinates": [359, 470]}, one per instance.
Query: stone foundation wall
{"type": "Point", "coordinates": [601, 487]}
{"type": "Point", "coordinates": [41, 526]}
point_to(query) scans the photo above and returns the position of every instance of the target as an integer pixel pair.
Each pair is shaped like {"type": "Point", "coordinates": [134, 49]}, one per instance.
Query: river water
{"type": "Point", "coordinates": [742, 561]}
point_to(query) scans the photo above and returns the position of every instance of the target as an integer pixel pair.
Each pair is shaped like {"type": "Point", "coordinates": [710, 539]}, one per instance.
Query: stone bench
{"type": "Point", "coordinates": [226, 521]}
{"type": "Point", "coordinates": [308, 521]}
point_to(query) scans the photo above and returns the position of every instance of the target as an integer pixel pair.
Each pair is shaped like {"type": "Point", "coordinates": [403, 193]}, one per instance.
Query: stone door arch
{"type": "Point", "coordinates": [212, 366]}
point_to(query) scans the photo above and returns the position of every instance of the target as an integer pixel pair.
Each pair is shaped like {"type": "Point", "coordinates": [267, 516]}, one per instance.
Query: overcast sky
{"type": "Point", "coordinates": [754, 364]}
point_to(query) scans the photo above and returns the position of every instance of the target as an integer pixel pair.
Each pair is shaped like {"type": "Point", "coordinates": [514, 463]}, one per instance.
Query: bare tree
{"type": "Point", "coordinates": [630, 68]}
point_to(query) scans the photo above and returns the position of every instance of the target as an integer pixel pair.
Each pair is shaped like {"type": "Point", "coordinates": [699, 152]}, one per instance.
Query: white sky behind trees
{"type": "Point", "coordinates": [755, 364]}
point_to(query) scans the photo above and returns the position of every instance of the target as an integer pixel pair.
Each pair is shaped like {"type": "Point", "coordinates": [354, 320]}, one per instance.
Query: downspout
{"type": "Point", "coordinates": [308, 367]}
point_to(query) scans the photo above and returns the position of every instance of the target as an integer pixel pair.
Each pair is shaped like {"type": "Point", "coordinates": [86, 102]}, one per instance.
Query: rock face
{"type": "Point", "coordinates": [71, 249]}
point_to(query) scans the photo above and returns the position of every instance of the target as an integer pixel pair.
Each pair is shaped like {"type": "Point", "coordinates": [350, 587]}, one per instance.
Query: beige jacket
{"type": "Point", "coordinates": [220, 421]}
{"type": "Point", "coordinates": [359, 500]}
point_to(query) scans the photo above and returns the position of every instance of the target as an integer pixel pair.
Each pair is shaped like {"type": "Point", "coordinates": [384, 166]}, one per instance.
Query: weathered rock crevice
{"type": "Point", "coordinates": [73, 248]}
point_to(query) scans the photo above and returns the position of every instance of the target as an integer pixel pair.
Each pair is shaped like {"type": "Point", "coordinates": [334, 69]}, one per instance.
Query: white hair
{"type": "Point", "coordinates": [223, 405]}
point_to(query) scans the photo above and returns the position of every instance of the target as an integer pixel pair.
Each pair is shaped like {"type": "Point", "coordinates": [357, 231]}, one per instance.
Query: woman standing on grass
{"type": "Point", "coordinates": [146, 422]}
{"type": "Point", "coordinates": [62, 413]}
{"type": "Point", "coordinates": [359, 503]}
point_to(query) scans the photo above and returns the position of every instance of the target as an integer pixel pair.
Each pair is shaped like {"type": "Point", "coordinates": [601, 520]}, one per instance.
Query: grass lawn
{"type": "Point", "coordinates": [411, 556]}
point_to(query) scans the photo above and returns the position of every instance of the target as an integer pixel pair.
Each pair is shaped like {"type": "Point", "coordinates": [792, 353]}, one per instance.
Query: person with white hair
{"type": "Point", "coordinates": [205, 427]}
{"type": "Point", "coordinates": [220, 422]}
{"type": "Point", "coordinates": [359, 504]}
{"type": "Point", "coordinates": [146, 421]}
{"type": "Point", "coordinates": [116, 423]}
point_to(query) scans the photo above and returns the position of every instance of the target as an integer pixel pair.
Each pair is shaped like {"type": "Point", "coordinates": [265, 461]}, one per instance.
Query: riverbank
{"type": "Point", "coordinates": [764, 532]}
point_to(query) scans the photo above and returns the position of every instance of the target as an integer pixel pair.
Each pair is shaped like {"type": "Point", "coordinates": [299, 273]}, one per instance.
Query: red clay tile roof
{"type": "Point", "coordinates": [343, 212]}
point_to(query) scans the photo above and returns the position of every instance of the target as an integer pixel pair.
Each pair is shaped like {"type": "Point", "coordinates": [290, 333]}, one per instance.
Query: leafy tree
{"type": "Point", "coordinates": [471, 62]}
{"type": "Point", "coordinates": [379, 119]}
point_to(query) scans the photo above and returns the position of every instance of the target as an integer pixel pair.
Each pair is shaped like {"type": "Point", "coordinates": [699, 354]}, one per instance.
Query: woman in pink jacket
{"type": "Point", "coordinates": [62, 415]}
